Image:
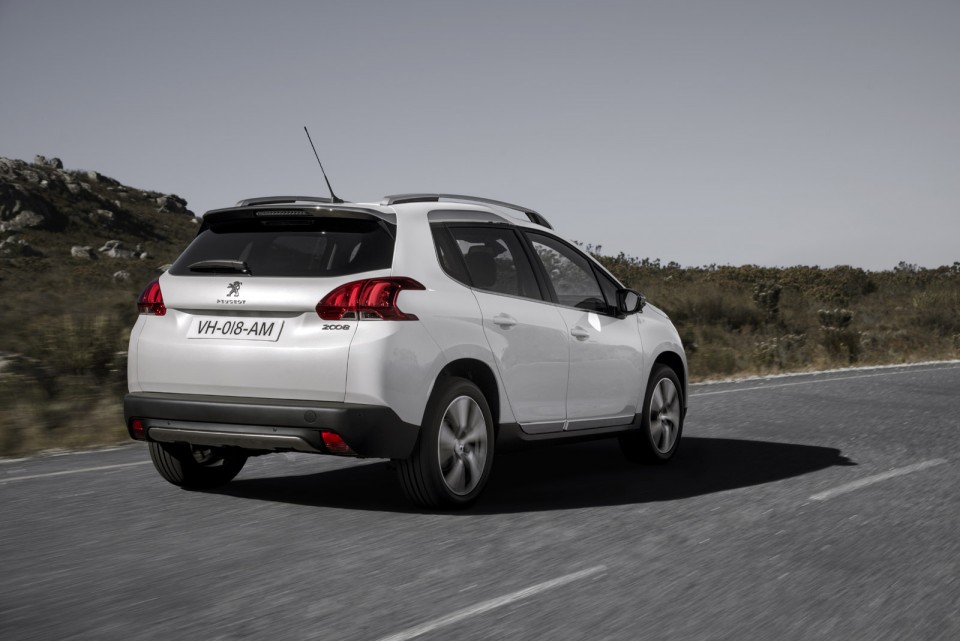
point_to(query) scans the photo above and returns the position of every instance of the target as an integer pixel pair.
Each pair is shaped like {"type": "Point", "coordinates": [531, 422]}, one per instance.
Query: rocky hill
{"type": "Point", "coordinates": [77, 247]}
{"type": "Point", "coordinates": [49, 211]}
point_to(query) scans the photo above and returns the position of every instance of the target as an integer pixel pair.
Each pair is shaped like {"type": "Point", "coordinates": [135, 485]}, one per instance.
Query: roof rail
{"type": "Point", "coordinates": [282, 200]}
{"type": "Point", "coordinates": [399, 199]}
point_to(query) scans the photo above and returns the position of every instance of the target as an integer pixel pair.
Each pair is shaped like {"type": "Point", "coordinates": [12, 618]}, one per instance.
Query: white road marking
{"type": "Point", "coordinates": [876, 478]}
{"type": "Point", "coordinates": [820, 380]}
{"type": "Point", "coordinates": [837, 370]}
{"type": "Point", "coordinates": [57, 453]}
{"type": "Point", "coordinates": [492, 604]}
{"type": "Point", "coordinates": [78, 471]}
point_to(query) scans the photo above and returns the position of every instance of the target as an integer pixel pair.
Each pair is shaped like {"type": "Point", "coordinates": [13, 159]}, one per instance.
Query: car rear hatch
{"type": "Point", "coordinates": [240, 315]}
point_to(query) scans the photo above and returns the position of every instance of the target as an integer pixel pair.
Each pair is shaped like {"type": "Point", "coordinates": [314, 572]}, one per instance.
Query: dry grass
{"type": "Point", "coordinates": [80, 416]}
{"type": "Point", "coordinates": [753, 320]}
{"type": "Point", "coordinates": [65, 389]}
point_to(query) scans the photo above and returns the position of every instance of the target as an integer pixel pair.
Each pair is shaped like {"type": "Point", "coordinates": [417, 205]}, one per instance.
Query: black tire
{"type": "Point", "coordinates": [195, 467]}
{"type": "Point", "coordinates": [451, 462]}
{"type": "Point", "coordinates": [661, 421]}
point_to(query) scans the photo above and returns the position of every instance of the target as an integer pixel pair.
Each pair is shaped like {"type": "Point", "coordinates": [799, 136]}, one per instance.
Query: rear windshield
{"type": "Point", "coordinates": [302, 247]}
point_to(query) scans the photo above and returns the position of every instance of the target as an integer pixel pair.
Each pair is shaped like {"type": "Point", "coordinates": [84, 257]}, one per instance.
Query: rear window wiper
{"type": "Point", "coordinates": [220, 267]}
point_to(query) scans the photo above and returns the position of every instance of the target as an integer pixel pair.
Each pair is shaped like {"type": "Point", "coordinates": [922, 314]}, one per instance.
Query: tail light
{"type": "Point", "coordinates": [370, 298]}
{"type": "Point", "coordinates": [151, 300]}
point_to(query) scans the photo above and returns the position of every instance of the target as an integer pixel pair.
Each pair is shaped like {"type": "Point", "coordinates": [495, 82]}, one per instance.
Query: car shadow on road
{"type": "Point", "coordinates": [563, 477]}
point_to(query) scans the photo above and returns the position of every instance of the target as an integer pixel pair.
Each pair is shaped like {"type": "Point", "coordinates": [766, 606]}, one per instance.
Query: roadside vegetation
{"type": "Point", "coordinates": [65, 331]}
{"type": "Point", "coordinates": [63, 354]}
{"type": "Point", "coordinates": [77, 247]}
{"type": "Point", "coordinates": [738, 321]}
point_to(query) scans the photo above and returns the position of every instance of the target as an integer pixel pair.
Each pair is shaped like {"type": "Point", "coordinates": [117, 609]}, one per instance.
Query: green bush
{"type": "Point", "coordinates": [65, 370]}
{"type": "Point", "coordinates": [938, 311]}
{"type": "Point", "coordinates": [750, 319]}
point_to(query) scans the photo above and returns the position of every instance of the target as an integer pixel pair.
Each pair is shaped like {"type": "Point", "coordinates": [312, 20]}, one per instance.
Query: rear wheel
{"type": "Point", "coordinates": [196, 467]}
{"type": "Point", "coordinates": [454, 455]}
{"type": "Point", "coordinates": [661, 421]}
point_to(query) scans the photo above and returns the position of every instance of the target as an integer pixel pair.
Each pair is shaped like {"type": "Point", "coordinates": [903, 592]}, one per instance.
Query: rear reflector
{"type": "Point", "coordinates": [151, 300]}
{"type": "Point", "coordinates": [335, 444]}
{"type": "Point", "coordinates": [370, 298]}
{"type": "Point", "coordinates": [137, 430]}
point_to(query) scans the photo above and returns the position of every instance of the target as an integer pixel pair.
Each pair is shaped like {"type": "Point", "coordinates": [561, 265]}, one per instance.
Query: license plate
{"type": "Point", "coordinates": [247, 329]}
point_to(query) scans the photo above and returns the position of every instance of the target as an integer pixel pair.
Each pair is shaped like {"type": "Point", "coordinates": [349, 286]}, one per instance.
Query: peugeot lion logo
{"type": "Point", "coordinates": [233, 289]}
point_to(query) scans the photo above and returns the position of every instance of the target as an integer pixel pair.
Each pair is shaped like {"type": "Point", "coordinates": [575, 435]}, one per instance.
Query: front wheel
{"type": "Point", "coordinates": [454, 455]}
{"type": "Point", "coordinates": [661, 422]}
{"type": "Point", "coordinates": [195, 467]}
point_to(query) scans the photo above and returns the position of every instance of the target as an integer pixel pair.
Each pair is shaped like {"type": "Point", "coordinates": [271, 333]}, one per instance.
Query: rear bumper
{"type": "Point", "coordinates": [265, 424]}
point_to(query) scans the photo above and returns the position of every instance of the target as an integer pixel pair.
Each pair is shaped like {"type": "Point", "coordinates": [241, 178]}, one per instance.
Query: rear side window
{"type": "Point", "coordinates": [495, 260]}
{"type": "Point", "coordinates": [449, 254]}
{"type": "Point", "coordinates": [315, 247]}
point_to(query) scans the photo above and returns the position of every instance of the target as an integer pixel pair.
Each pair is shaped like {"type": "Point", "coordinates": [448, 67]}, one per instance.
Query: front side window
{"type": "Point", "coordinates": [495, 260]}
{"type": "Point", "coordinates": [609, 287]}
{"type": "Point", "coordinates": [569, 273]}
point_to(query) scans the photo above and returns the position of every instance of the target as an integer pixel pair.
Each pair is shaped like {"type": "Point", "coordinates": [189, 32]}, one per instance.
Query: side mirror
{"type": "Point", "coordinates": [630, 301]}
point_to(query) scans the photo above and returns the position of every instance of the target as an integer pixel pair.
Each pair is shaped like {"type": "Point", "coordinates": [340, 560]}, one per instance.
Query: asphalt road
{"type": "Point", "coordinates": [805, 507]}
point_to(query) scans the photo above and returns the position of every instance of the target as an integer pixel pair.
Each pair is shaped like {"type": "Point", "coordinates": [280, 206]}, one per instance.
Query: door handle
{"type": "Point", "coordinates": [580, 333]}
{"type": "Point", "coordinates": [504, 320]}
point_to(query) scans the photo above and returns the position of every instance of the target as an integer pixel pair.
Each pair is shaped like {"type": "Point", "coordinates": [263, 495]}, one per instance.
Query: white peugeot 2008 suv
{"type": "Point", "coordinates": [430, 329]}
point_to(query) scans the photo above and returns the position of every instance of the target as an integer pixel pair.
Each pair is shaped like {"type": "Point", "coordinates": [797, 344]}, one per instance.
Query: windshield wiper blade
{"type": "Point", "coordinates": [221, 267]}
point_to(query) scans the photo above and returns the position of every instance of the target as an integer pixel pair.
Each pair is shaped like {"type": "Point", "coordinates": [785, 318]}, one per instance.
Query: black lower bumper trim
{"type": "Point", "coordinates": [271, 424]}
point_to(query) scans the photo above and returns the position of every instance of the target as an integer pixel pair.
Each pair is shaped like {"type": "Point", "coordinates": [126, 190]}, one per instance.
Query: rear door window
{"type": "Point", "coordinates": [496, 261]}
{"type": "Point", "coordinates": [312, 247]}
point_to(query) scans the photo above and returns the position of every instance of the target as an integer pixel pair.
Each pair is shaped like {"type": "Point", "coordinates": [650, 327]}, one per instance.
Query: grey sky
{"type": "Point", "coordinates": [776, 133]}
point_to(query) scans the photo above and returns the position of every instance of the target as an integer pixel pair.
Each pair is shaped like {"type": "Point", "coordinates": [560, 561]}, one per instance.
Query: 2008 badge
{"type": "Point", "coordinates": [328, 326]}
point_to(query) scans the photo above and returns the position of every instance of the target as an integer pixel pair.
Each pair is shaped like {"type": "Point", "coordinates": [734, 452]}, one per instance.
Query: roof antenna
{"type": "Point", "coordinates": [333, 196]}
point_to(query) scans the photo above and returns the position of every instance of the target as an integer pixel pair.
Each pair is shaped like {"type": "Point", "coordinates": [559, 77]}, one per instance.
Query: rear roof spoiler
{"type": "Point", "coordinates": [267, 208]}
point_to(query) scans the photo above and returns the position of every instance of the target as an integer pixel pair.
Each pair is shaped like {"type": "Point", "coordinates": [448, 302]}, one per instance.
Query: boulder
{"type": "Point", "coordinates": [171, 204]}
{"type": "Point", "coordinates": [101, 216]}
{"type": "Point", "coordinates": [97, 177]}
{"type": "Point", "coordinates": [23, 220]}
{"type": "Point", "coordinates": [17, 200]}
{"type": "Point", "coordinates": [43, 161]}
{"type": "Point", "coordinates": [119, 253]}
{"type": "Point", "coordinates": [10, 166]}
{"type": "Point", "coordinates": [82, 252]}
{"type": "Point", "coordinates": [114, 249]}
{"type": "Point", "coordinates": [17, 246]}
